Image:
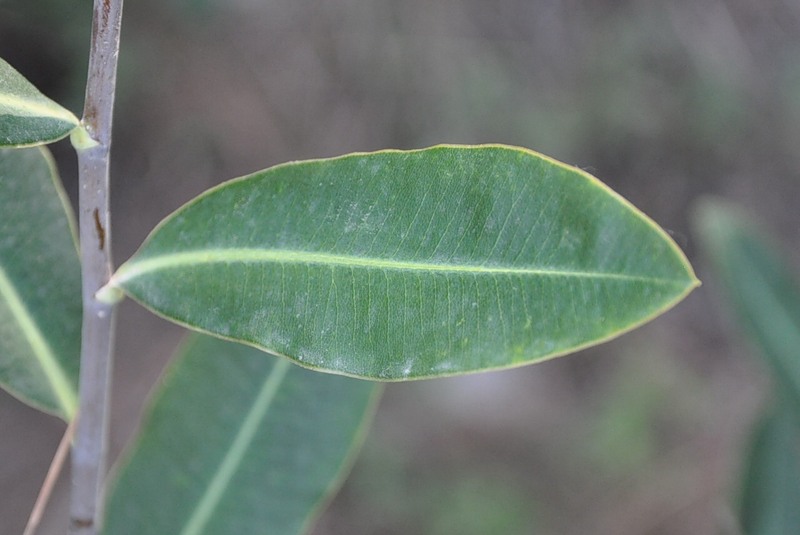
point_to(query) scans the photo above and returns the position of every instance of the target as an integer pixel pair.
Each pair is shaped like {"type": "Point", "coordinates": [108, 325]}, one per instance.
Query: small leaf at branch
{"type": "Point", "coordinates": [400, 265]}
{"type": "Point", "coordinates": [40, 284]}
{"type": "Point", "coordinates": [27, 117]}
{"type": "Point", "coordinates": [238, 442]}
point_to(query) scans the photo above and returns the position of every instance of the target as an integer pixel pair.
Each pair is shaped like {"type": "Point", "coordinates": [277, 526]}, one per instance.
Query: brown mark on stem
{"type": "Point", "coordinates": [90, 118]}
{"type": "Point", "coordinates": [82, 522]}
{"type": "Point", "coordinates": [106, 11]}
{"type": "Point", "coordinates": [101, 232]}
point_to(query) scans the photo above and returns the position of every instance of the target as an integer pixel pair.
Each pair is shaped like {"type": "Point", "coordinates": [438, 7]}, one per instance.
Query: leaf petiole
{"type": "Point", "coordinates": [109, 294]}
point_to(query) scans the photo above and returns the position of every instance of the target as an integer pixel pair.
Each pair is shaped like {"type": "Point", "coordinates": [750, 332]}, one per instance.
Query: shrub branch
{"type": "Point", "coordinates": [91, 439]}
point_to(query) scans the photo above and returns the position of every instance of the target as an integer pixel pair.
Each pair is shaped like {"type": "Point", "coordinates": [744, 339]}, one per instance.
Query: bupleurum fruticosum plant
{"type": "Point", "coordinates": [385, 266]}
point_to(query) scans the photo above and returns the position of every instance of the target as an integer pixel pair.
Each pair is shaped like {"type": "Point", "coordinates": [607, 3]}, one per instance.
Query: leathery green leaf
{"type": "Point", "coordinates": [762, 289]}
{"type": "Point", "coordinates": [40, 284]}
{"type": "Point", "coordinates": [27, 117]}
{"type": "Point", "coordinates": [238, 442]}
{"type": "Point", "coordinates": [399, 265]}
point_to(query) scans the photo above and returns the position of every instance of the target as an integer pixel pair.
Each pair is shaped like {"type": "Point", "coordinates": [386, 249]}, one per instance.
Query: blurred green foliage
{"type": "Point", "coordinates": [398, 494]}
{"type": "Point", "coordinates": [763, 292]}
{"type": "Point", "coordinates": [770, 495]}
{"type": "Point", "coordinates": [635, 411]}
{"type": "Point", "coordinates": [765, 297]}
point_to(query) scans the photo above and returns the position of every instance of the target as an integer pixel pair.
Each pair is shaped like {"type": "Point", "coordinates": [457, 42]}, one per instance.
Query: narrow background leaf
{"type": "Point", "coordinates": [765, 297]}
{"type": "Point", "coordinates": [770, 501]}
{"type": "Point", "coordinates": [398, 265]}
{"type": "Point", "coordinates": [27, 117]}
{"type": "Point", "coordinates": [40, 284]}
{"type": "Point", "coordinates": [763, 292]}
{"type": "Point", "coordinates": [236, 442]}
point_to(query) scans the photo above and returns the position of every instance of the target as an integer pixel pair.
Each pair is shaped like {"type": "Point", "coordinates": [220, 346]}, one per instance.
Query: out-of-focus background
{"type": "Point", "coordinates": [664, 101]}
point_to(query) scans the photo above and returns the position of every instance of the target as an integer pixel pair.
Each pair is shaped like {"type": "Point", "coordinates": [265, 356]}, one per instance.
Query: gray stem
{"type": "Point", "coordinates": [91, 437]}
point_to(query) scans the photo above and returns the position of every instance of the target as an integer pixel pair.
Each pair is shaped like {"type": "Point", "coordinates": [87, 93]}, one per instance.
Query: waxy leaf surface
{"type": "Point", "coordinates": [399, 265]}
{"type": "Point", "coordinates": [238, 442]}
{"type": "Point", "coordinates": [27, 117]}
{"type": "Point", "coordinates": [40, 284]}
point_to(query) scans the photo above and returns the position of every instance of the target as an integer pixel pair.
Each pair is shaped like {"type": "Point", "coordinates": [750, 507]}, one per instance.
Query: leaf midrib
{"type": "Point", "coordinates": [42, 351]}
{"type": "Point", "coordinates": [215, 491]}
{"type": "Point", "coordinates": [136, 268]}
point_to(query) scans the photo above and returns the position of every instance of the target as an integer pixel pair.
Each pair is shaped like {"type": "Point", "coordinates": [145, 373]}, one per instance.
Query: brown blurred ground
{"type": "Point", "coordinates": [664, 101]}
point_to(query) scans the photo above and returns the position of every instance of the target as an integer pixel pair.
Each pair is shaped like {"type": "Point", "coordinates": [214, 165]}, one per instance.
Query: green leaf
{"type": "Point", "coordinates": [398, 265]}
{"type": "Point", "coordinates": [237, 442]}
{"type": "Point", "coordinates": [762, 290]}
{"type": "Point", "coordinates": [771, 490]}
{"type": "Point", "coordinates": [27, 117]}
{"type": "Point", "coordinates": [40, 284]}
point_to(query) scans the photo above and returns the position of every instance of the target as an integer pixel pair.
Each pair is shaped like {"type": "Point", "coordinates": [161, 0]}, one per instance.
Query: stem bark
{"type": "Point", "coordinates": [91, 437]}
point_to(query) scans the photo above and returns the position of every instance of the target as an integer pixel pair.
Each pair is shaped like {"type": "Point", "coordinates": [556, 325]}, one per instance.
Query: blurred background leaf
{"type": "Point", "coordinates": [765, 297]}
{"type": "Point", "coordinates": [770, 492]}
{"type": "Point", "coordinates": [237, 441]}
{"type": "Point", "coordinates": [764, 293]}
